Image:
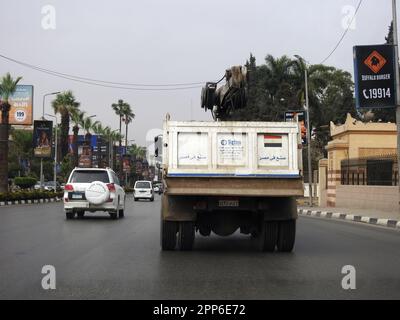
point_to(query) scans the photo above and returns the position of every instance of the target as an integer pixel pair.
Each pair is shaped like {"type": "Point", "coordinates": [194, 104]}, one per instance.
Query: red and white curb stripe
{"type": "Point", "coordinates": [357, 218]}
{"type": "Point", "coordinates": [34, 201]}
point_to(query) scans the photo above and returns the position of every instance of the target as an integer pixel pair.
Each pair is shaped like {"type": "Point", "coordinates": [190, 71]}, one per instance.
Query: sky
{"type": "Point", "coordinates": [170, 41]}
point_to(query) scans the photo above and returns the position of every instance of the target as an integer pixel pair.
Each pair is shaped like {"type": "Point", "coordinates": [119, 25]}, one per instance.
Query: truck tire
{"type": "Point", "coordinates": [114, 215]}
{"type": "Point", "coordinates": [286, 235]}
{"type": "Point", "coordinates": [186, 236]}
{"type": "Point", "coordinates": [168, 235]}
{"type": "Point", "coordinates": [121, 213]}
{"type": "Point", "coordinates": [268, 236]}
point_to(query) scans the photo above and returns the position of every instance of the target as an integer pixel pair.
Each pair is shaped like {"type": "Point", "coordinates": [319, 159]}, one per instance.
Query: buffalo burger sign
{"type": "Point", "coordinates": [374, 76]}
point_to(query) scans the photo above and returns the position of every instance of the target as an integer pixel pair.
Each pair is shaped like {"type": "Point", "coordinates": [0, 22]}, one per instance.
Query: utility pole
{"type": "Point", "coordinates": [396, 65]}
{"type": "Point", "coordinates": [55, 152]}
{"type": "Point", "coordinates": [310, 196]}
{"type": "Point", "coordinates": [43, 118]}
{"type": "Point", "coordinates": [308, 139]}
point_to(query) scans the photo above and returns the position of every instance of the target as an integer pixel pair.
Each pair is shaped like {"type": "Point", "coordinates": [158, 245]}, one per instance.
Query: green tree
{"type": "Point", "coordinates": [119, 108]}
{"type": "Point", "coordinates": [128, 117]}
{"type": "Point", "coordinates": [8, 85]}
{"type": "Point", "coordinates": [65, 104]}
{"type": "Point", "coordinates": [77, 117]}
{"type": "Point", "coordinates": [137, 152]}
{"type": "Point", "coordinates": [21, 152]}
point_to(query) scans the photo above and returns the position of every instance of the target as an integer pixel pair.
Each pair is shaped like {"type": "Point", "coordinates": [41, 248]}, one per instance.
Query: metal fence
{"type": "Point", "coordinates": [373, 171]}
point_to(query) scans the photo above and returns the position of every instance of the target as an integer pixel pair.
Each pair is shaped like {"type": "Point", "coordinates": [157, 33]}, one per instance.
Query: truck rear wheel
{"type": "Point", "coordinates": [186, 236]}
{"type": "Point", "coordinates": [268, 236]}
{"type": "Point", "coordinates": [286, 235]}
{"type": "Point", "coordinates": [168, 234]}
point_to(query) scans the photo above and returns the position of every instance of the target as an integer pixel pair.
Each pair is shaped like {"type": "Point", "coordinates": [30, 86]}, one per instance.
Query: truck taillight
{"type": "Point", "coordinates": [111, 187]}
{"type": "Point", "coordinates": [69, 187]}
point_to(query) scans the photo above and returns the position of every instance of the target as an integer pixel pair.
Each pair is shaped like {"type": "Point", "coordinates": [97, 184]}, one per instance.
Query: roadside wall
{"type": "Point", "coordinates": [367, 197]}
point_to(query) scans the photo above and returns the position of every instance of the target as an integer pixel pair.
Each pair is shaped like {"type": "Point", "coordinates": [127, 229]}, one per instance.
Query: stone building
{"type": "Point", "coordinates": [348, 178]}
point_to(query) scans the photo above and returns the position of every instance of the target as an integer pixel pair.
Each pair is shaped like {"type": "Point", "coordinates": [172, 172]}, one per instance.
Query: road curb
{"type": "Point", "coordinates": [390, 223]}
{"type": "Point", "coordinates": [35, 201]}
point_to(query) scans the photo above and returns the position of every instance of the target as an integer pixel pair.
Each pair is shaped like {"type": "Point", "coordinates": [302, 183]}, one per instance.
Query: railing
{"type": "Point", "coordinates": [373, 171]}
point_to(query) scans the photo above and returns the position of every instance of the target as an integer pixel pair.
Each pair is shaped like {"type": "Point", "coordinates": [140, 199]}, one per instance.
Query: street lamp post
{"type": "Point", "coordinates": [126, 173]}
{"type": "Point", "coordinates": [41, 159]}
{"type": "Point", "coordinates": [310, 196]}
{"type": "Point", "coordinates": [55, 152]}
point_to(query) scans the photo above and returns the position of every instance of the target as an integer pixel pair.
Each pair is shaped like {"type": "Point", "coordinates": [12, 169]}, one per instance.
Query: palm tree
{"type": "Point", "coordinates": [87, 126]}
{"type": "Point", "coordinates": [77, 117]}
{"type": "Point", "coordinates": [128, 116]}
{"type": "Point", "coordinates": [111, 136]}
{"type": "Point", "coordinates": [118, 109]}
{"type": "Point", "coordinates": [277, 72]}
{"type": "Point", "coordinates": [137, 152]}
{"type": "Point", "coordinates": [8, 85]}
{"type": "Point", "coordinates": [65, 104]}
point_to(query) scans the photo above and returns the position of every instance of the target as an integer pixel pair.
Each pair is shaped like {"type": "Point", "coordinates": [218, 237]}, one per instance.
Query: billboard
{"type": "Point", "coordinates": [374, 76]}
{"type": "Point", "coordinates": [21, 102]}
{"type": "Point", "coordinates": [126, 163]}
{"type": "Point", "coordinates": [42, 133]}
{"type": "Point", "coordinates": [85, 156]}
{"type": "Point", "coordinates": [290, 116]}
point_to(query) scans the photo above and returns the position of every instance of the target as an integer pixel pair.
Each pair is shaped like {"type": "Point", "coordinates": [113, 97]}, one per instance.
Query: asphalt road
{"type": "Point", "coordinates": [98, 258]}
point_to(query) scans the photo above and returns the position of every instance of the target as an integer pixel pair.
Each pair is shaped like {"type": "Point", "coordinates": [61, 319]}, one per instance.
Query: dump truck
{"type": "Point", "coordinates": [223, 176]}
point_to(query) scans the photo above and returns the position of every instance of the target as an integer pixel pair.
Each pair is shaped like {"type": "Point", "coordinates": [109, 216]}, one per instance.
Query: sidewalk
{"type": "Point", "coordinates": [371, 216]}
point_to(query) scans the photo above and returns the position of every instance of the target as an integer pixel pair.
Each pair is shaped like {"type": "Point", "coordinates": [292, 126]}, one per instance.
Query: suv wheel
{"type": "Point", "coordinates": [69, 215]}
{"type": "Point", "coordinates": [114, 215]}
{"type": "Point", "coordinates": [80, 214]}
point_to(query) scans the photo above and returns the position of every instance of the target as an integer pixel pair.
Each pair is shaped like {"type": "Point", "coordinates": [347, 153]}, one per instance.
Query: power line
{"type": "Point", "coordinates": [109, 84]}
{"type": "Point", "coordinates": [344, 33]}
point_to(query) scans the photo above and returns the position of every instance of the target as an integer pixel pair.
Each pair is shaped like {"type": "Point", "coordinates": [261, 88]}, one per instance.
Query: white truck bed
{"type": "Point", "coordinates": [231, 149]}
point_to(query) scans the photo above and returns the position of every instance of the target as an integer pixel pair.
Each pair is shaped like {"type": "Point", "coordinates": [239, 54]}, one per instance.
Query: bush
{"type": "Point", "coordinates": [29, 195]}
{"type": "Point", "coordinates": [128, 189]}
{"type": "Point", "coordinates": [25, 182]}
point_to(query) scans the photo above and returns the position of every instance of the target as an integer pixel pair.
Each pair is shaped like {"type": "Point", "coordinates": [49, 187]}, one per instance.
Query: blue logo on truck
{"type": "Point", "coordinates": [231, 142]}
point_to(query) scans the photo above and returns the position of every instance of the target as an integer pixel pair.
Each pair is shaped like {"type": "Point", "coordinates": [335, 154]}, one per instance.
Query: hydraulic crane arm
{"type": "Point", "coordinates": [232, 95]}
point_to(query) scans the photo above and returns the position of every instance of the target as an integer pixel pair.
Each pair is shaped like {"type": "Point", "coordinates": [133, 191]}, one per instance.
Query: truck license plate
{"type": "Point", "coordinates": [228, 203]}
{"type": "Point", "coordinates": [77, 196]}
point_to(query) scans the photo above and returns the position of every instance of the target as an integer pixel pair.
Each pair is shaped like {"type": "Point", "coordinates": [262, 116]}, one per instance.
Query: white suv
{"type": "Point", "coordinates": [93, 189]}
{"type": "Point", "coordinates": [143, 190]}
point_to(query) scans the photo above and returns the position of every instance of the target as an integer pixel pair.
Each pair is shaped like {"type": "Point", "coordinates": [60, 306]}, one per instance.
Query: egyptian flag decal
{"type": "Point", "coordinates": [272, 141]}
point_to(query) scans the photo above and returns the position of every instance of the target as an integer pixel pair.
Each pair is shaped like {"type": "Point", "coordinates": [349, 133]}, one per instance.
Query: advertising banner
{"type": "Point", "coordinates": [85, 156]}
{"type": "Point", "coordinates": [21, 102]}
{"type": "Point", "coordinates": [126, 163]}
{"type": "Point", "coordinates": [42, 133]}
{"type": "Point", "coordinates": [374, 76]}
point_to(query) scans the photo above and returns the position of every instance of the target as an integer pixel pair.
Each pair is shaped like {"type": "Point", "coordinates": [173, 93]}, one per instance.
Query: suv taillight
{"type": "Point", "coordinates": [111, 187]}
{"type": "Point", "coordinates": [69, 187]}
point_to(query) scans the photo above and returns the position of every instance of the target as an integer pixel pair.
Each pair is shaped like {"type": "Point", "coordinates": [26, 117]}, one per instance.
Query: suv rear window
{"type": "Point", "coordinates": [143, 185]}
{"type": "Point", "coordinates": [81, 176]}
